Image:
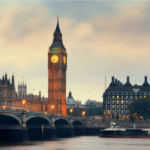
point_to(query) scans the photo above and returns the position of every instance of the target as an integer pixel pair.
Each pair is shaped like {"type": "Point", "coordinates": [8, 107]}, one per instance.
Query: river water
{"type": "Point", "coordinates": [83, 143]}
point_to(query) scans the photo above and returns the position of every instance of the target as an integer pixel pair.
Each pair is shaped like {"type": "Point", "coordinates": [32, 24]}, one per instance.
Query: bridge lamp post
{"type": "Point", "coordinates": [4, 107]}
{"type": "Point", "coordinates": [52, 108]}
{"type": "Point", "coordinates": [71, 110]}
{"type": "Point", "coordinates": [83, 114]}
{"type": "Point", "coordinates": [23, 102]}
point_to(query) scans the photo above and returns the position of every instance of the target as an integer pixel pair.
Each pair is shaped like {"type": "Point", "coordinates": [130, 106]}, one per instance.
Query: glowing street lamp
{"type": "Point", "coordinates": [52, 108]}
{"type": "Point", "coordinates": [23, 102]}
{"type": "Point", "coordinates": [4, 107]}
{"type": "Point", "coordinates": [83, 113]}
{"type": "Point", "coordinates": [71, 110]}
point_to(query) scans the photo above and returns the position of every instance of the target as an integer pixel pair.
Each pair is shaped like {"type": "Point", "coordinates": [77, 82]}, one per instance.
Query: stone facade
{"type": "Point", "coordinates": [32, 102]}
{"type": "Point", "coordinates": [22, 89]}
{"type": "Point", "coordinates": [57, 66]}
{"type": "Point", "coordinates": [118, 96]}
{"type": "Point", "coordinates": [7, 91]}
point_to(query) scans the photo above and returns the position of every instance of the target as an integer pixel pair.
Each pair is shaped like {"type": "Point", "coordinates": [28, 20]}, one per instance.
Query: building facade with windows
{"type": "Point", "coordinates": [7, 91]}
{"type": "Point", "coordinates": [118, 96]}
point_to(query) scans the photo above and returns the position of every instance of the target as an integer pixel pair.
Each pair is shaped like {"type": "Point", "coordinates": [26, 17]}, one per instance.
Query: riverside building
{"type": "Point", "coordinates": [118, 96]}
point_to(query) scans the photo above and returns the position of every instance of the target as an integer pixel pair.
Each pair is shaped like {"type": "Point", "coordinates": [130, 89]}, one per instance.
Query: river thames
{"type": "Point", "coordinates": [83, 143]}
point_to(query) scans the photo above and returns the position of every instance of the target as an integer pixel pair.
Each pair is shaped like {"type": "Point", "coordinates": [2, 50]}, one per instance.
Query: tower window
{"type": "Point", "coordinates": [103, 112]}
{"type": "Point", "coordinates": [126, 112]}
{"type": "Point", "coordinates": [108, 112]}
{"type": "Point", "coordinates": [1, 93]}
{"type": "Point", "coordinates": [112, 111]}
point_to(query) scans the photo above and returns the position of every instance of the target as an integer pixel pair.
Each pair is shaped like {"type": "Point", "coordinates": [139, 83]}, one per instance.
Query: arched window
{"type": "Point", "coordinates": [1, 93]}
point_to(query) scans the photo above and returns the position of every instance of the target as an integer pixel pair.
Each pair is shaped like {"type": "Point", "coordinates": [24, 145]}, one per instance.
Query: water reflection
{"type": "Point", "coordinates": [82, 143]}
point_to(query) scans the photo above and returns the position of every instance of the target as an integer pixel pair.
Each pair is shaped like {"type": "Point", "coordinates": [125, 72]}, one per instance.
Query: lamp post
{"type": "Point", "coordinates": [83, 114]}
{"type": "Point", "coordinates": [23, 102]}
{"type": "Point", "coordinates": [52, 108]}
{"type": "Point", "coordinates": [71, 110]}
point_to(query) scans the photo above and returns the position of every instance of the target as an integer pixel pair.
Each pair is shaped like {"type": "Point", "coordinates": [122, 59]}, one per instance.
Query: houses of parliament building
{"type": "Point", "coordinates": [56, 102]}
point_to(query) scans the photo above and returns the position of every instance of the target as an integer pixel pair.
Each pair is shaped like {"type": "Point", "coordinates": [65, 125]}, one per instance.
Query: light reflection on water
{"type": "Point", "coordinates": [83, 143]}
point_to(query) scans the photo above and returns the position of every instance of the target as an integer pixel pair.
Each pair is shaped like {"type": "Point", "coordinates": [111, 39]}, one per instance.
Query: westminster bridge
{"type": "Point", "coordinates": [21, 125]}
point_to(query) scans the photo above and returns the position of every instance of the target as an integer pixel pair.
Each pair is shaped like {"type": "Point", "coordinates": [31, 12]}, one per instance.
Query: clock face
{"type": "Point", "coordinates": [64, 59]}
{"type": "Point", "coordinates": [54, 59]}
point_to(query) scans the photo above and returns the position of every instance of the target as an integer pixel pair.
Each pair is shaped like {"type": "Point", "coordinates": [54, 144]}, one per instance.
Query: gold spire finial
{"type": "Point", "coordinates": [57, 18]}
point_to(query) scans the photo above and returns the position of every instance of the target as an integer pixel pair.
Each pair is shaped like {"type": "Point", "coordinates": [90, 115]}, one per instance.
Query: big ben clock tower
{"type": "Point", "coordinates": [57, 66]}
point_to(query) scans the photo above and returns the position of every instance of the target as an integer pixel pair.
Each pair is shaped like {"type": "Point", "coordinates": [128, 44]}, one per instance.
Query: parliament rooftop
{"type": "Point", "coordinates": [118, 96]}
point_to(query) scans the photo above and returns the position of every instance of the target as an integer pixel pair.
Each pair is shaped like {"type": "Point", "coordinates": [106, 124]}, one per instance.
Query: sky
{"type": "Point", "coordinates": [102, 38]}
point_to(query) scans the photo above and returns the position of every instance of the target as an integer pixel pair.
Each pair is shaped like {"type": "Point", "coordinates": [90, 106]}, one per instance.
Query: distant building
{"type": "Point", "coordinates": [22, 89]}
{"type": "Point", "coordinates": [71, 102]}
{"type": "Point", "coordinates": [7, 91]}
{"type": "Point", "coordinates": [22, 93]}
{"type": "Point", "coordinates": [93, 103]}
{"type": "Point", "coordinates": [117, 97]}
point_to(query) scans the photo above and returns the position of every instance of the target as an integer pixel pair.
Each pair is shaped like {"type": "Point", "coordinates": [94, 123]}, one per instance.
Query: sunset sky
{"type": "Point", "coordinates": [102, 38]}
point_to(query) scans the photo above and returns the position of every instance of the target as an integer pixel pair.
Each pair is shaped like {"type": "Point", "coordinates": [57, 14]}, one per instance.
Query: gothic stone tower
{"type": "Point", "coordinates": [57, 66]}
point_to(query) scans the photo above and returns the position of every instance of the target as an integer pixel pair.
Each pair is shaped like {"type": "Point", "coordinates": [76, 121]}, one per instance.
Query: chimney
{"type": "Point", "coordinates": [112, 82]}
{"type": "Point", "coordinates": [145, 82]}
{"type": "Point", "coordinates": [128, 82]}
{"type": "Point", "coordinates": [116, 81]}
{"type": "Point", "coordinates": [112, 79]}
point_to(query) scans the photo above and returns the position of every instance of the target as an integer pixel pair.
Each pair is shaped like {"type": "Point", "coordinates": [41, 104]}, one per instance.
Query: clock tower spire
{"type": "Point", "coordinates": [57, 66]}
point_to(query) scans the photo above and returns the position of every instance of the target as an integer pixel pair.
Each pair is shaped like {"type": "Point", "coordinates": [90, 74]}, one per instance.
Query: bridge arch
{"type": "Point", "coordinates": [77, 123]}
{"type": "Point", "coordinates": [61, 123]}
{"type": "Point", "coordinates": [8, 121]}
{"type": "Point", "coordinates": [37, 122]}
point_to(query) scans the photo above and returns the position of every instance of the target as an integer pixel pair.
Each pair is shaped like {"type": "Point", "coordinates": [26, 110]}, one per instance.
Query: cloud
{"type": "Point", "coordinates": [102, 39]}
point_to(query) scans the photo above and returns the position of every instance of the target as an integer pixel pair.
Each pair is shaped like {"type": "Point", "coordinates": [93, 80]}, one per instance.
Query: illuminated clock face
{"type": "Point", "coordinates": [64, 59]}
{"type": "Point", "coordinates": [54, 59]}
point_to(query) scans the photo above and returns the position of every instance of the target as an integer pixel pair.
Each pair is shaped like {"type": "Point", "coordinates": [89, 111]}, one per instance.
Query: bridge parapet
{"type": "Point", "coordinates": [23, 116]}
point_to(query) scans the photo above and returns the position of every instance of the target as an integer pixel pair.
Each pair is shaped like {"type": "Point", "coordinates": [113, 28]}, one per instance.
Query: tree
{"type": "Point", "coordinates": [140, 107]}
